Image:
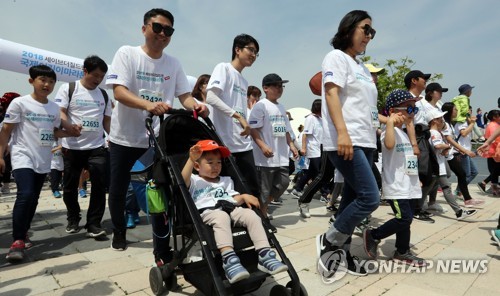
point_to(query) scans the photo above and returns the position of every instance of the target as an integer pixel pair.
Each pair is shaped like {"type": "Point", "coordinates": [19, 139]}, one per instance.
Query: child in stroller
{"type": "Point", "coordinates": [218, 205]}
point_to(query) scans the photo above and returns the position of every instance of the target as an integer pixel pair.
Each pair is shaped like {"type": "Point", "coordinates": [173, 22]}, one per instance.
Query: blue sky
{"type": "Point", "coordinates": [457, 38]}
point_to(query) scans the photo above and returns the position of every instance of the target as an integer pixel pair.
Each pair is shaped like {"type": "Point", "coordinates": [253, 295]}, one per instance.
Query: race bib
{"type": "Point", "coordinates": [90, 124]}
{"type": "Point", "coordinates": [411, 167]}
{"type": "Point", "coordinates": [46, 137]}
{"type": "Point", "coordinates": [374, 112]}
{"type": "Point", "coordinates": [279, 129]}
{"type": "Point", "coordinates": [152, 96]}
{"type": "Point", "coordinates": [240, 112]}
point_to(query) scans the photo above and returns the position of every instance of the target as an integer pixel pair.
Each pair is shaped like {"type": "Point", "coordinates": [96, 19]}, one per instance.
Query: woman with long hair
{"type": "Point", "coordinates": [453, 157]}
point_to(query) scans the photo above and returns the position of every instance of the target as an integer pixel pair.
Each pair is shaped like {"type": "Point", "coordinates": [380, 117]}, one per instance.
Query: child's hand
{"type": "Point", "coordinates": [397, 118]}
{"type": "Point", "coordinates": [195, 153]}
{"type": "Point", "coordinates": [250, 201]}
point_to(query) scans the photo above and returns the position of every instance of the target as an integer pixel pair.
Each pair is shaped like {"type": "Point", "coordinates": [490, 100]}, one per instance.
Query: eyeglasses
{"type": "Point", "coordinates": [157, 28]}
{"type": "Point", "coordinates": [252, 50]}
{"type": "Point", "coordinates": [369, 31]}
{"type": "Point", "coordinates": [409, 109]}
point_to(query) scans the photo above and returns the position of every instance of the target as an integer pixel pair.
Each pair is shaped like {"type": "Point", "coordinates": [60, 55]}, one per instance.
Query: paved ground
{"type": "Point", "coordinates": [63, 264]}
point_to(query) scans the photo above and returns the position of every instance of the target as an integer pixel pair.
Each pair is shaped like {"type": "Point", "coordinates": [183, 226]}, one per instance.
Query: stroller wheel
{"type": "Point", "coordinates": [156, 281]}
{"type": "Point", "coordinates": [280, 290]}
{"type": "Point", "coordinates": [303, 291]}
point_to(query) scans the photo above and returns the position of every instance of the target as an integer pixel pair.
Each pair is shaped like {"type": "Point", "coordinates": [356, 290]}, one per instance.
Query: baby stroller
{"type": "Point", "coordinates": [178, 133]}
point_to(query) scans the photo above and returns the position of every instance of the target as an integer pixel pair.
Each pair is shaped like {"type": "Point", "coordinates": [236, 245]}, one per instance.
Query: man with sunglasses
{"type": "Point", "coordinates": [145, 80]}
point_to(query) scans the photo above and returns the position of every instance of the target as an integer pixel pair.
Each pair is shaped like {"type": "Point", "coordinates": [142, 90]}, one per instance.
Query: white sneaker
{"type": "Point", "coordinates": [296, 194]}
{"type": "Point", "coordinates": [304, 210]}
{"type": "Point", "coordinates": [463, 214]}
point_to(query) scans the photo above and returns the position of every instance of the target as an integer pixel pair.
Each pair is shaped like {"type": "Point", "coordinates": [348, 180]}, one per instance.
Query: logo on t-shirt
{"type": "Point", "coordinates": [166, 78]}
{"type": "Point", "coordinates": [58, 100]}
{"type": "Point", "coordinates": [215, 82]}
{"type": "Point", "coordinates": [329, 73]}
{"type": "Point", "coordinates": [112, 76]}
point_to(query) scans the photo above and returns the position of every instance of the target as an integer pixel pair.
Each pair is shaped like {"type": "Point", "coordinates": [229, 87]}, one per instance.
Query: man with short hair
{"type": "Point", "coordinates": [227, 93]}
{"type": "Point", "coordinates": [145, 80]}
{"type": "Point", "coordinates": [84, 103]}
{"type": "Point", "coordinates": [415, 82]}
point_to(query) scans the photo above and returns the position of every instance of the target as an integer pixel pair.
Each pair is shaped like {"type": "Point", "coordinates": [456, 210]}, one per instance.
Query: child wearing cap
{"type": "Point", "coordinates": [270, 130]}
{"type": "Point", "coordinates": [219, 206]}
{"type": "Point", "coordinates": [400, 181]}
{"type": "Point", "coordinates": [441, 150]}
{"type": "Point", "coordinates": [462, 102]}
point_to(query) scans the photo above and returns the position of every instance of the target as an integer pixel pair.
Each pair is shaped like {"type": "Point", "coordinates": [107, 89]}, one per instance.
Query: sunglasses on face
{"type": "Point", "coordinates": [409, 109]}
{"type": "Point", "coordinates": [369, 31]}
{"type": "Point", "coordinates": [157, 28]}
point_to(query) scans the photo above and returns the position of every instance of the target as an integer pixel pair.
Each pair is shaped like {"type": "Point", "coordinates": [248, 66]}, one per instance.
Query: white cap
{"type": "Point", "coordinates": [433, 114]}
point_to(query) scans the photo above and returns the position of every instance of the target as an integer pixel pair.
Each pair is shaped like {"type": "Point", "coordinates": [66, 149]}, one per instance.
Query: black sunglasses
{"type": "Point", "coordinates": [167, 30]}
{"type": "Point", "coordinates": [369, 30]}
{"type": "Point", "coordinates": [409, 109]}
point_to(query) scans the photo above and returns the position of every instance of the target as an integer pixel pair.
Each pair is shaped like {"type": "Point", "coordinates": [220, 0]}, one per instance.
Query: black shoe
{"type": "Point", "coordinates": [332, 208]}
{"type": "Point", "coordinates": [370, 244]}
{"type": "Point", "coordinates": [72, 227]}
{"type": "Point", "coordinates": [95, 231]}
{"type": "Point", "coordinates": [353, 265]}
{"type": "Point", "coordinates": [119, 241]}
{"type": "Point", "coordinates": [330, 258]}
{"type": "Point", "coordinates": [423, 217]}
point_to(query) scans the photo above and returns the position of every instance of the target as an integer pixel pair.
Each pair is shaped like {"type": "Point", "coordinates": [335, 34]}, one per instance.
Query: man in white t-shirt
{"type": "Point", "coordinates": [145, 80]}
{"type": "Point", "coordinates": [85, 104]}
{"type": "Point", "coordinates": [227, 93]}
{"type": "Point", "coordinates": [272, 141]}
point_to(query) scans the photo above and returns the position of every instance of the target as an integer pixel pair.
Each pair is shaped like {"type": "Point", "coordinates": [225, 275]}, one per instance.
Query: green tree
{"type": "Point", "coordinates": [393, 76]}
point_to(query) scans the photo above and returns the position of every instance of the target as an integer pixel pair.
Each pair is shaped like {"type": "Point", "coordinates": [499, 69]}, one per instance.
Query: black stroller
{"type": "Point", "coordinates": [178, 133]}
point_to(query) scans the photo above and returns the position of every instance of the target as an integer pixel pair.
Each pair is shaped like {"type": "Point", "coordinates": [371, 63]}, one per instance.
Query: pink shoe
{"type": "Point", "coordinates": [471, 203]}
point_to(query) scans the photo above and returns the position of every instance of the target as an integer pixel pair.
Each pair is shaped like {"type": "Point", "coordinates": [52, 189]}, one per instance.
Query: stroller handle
{"type": "Point", "coordinates": [194, 113]}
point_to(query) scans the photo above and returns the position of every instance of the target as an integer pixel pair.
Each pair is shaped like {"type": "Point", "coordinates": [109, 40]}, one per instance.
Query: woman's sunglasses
{"type": "Point", "coordinates": [369, 30]}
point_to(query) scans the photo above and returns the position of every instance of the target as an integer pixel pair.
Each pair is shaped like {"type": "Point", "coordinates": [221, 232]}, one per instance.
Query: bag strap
{"type": "Point", "coordinates": [71, 90]}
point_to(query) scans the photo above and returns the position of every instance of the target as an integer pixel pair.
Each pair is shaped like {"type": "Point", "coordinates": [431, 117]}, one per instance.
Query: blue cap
{"type": "Point", "coordinates": [397, 97]}
{"type": "Point", "coordinates": [464, 88]}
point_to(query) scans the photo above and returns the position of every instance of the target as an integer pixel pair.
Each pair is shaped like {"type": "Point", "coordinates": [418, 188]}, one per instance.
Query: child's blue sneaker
{"type": "Point", "coordinates": [269, 264]}
{"type": "Point", "coordinates": [234, 270]}
{"type": "Point", "coordinates": [130, 221]}
{"type": "Point", "coordinates": [56, 194]}
{"type": "Point", "coordinates": [495, 235]}
{"type": "Point", "coordinates": [83, 193]}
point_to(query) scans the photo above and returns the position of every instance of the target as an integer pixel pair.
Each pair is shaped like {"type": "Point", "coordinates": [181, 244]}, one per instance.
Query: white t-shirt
{"type": "Point", "coordinates": [57, 162]}
{"type": "Point", "coordinates": [400, 169]}
{"type": "Point", "coordinates": [423, 108]}
{"type": "Point", "coordinates": [463, 141]}
{"type": "Point", "coordinates": [449, 131]}
{"type": "Point", "coordinates": [436, 139]}
{"type": "Point", "coordinates": [272, 124]}
{"type": "Point", "coordinates": [155, 80]}
{"type": "Point", "coordinates": [233, 87]}
{"type": "Point", "coordinates": [358, 98]}
{"type": "Point", "coordinates": [314, 130]}
{"type": "Point", "coordinates": [206, 194]}
{"type": "Point", "coordinates": [87, 107]}
{"type": "Point", "coordinates": [33, 136]}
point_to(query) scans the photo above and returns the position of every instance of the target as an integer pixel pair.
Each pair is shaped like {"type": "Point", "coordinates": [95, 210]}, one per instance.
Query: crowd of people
{"type": "Point", "coordinates": [417, 140]}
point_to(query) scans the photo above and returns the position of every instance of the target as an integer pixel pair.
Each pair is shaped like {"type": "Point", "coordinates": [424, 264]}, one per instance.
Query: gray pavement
{"type": "Point", "coordinates": [71, 264]}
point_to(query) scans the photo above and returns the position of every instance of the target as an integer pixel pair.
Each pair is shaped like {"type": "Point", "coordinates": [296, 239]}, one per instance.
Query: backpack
{"type": "Point", "coordinates": [71, 90]}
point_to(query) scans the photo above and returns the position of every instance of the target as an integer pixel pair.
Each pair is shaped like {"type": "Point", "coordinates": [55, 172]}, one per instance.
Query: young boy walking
{"type": "Point", "coordinates": [219, 205]}
{"type": "Point", "coordinates": [400, 181]}
{"type": "Point", "coordinates": [272, 141]}
{"type": "Point", "coordinates": [31, 122]}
